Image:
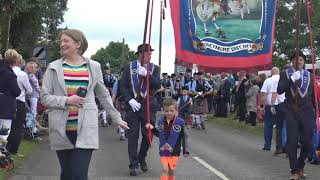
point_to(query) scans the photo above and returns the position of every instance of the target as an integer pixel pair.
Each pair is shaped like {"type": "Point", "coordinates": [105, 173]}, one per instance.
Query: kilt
{"type": "Point", "coordinates": [200, 106]}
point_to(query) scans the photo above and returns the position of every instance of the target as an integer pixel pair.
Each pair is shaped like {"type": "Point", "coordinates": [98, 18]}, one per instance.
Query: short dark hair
{"type": "Point", "coordinates": [143, 48]}
{"type": "Point", "coordinates": [299, 53]}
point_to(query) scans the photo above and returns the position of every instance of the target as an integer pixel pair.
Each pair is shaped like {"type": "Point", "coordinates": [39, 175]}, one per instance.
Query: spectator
{"type": "Point", "coordinates": [31, 70]}
{"type": "Point", "coordinates": [278, 109]}
{"type": "Point", "coordinates": [14, 138]}
{"type": "Point", "coordinates": [9, 90]}
{"type": "Point", "coordinates": [241, 96]}
{"type": "Point", "coordinates": [266, 98]}
{"type": "Point", "coordinates": [38, 73]}
{"type": "Point", "coordinates": [251, 102]}
{"type": "Point", "coordinates": [224, 94]}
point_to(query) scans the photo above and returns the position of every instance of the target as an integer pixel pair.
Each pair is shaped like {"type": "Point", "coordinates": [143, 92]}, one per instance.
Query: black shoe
{"type": "Point", "coordinates": [277, 152]}
{"type": "Point", "coordinates": [143, 166]}
{"type": "Point", "coordinates": [265, 149]}
{"type": "Point", "coordinates": [133, 172]}
{"type": "Point", "coordinates": [309, 159]}
{"type": "Point", "coordinates": [314, 162]}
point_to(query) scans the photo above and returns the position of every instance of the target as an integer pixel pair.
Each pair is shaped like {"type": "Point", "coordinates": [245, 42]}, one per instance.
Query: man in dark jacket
{"type": "Point", "coordinates": [9, 90]}
{"type": "Point", "coordinates": [136, 105]}
{"type": "Point", "coordinates": [225, 94]}
{"type": "Point", "coordinates": [297, 83]}
{"type": "Point", "coordinates": [241, 96]}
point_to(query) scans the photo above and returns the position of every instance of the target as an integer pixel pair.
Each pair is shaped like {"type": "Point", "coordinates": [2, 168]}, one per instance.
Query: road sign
{"type": "Point", "coordinates": [180, 69]}
{"type": "Point", "coordinates": [40, 52]}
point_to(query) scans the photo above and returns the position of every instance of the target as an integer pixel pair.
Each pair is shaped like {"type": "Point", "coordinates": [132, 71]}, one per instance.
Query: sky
{"type": "Point", "coordinates": [103, 21]}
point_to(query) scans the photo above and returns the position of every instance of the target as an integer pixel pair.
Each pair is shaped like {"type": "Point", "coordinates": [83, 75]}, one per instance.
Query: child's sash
{"type": "Point", "coordinates": [166, 145]}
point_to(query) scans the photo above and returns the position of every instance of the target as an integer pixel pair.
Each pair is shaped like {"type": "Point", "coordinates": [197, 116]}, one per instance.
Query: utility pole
{"type": "Point", "coordinates": [8, 10]}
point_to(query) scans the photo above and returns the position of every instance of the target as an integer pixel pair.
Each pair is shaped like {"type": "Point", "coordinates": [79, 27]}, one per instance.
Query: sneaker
{"type": "Point", "coordinates": [122, 138]}
{"type": "Point", "coordinates": [104, 123]}
{"type": "Point", "coordinates": [294, 176]}
{"type": "Point", "coordinates": [38, 139]}
{"type": "Point", "coordinates": [4, 131]}
{"type": "Point", "coordinates": [109, 120]}
{"type": "Point", "coordinates": [301, 174]}
{"type": "Point", "coordinates": [203, 126]}
{"type": "Point", "coordinates": [3, 142]}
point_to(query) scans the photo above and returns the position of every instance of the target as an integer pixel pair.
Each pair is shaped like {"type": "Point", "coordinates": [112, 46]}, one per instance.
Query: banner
{"type": "Point", "coordinates": [224, 35]}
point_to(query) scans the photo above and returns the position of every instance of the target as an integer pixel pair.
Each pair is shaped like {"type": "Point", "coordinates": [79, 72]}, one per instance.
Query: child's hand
{"type": "Point", "coordinates": [149, 126]}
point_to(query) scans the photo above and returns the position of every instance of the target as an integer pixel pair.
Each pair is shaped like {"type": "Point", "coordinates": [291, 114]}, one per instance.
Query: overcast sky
{"type": "Point", "coordinates": [111, 20]}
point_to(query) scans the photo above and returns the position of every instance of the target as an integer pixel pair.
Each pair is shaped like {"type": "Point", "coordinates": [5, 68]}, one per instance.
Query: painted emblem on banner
{"type": "Point", "coordinates": [227, 26]}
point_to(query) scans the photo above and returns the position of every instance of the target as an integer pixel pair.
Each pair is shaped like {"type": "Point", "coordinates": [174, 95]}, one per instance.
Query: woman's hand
{"type": "Point", "coordinates": [123, 124]}
{"type": "Point", "coordinates": [75, 100]}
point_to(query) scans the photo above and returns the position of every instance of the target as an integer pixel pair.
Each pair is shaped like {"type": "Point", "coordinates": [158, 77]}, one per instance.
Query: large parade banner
{"type": "Point", "coordinates": [224, 34]}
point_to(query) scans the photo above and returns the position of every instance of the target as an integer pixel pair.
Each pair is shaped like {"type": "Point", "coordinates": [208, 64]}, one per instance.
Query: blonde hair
{"type": "Point", "coordinates": [11, 57]}
{"type": "Point", "coordinates": [32, 63]}
{"type": "Point", "coordinates": [34, 59]}
{"type": "Point", "coordinates": [19, 60]}
{"type": "Point", "coordinates": [274, 71]}
{"type": "Point", "coordinates": [23, 62]}
{"type": "Point", "coordinates": [77, 36]}
{"type": "Point", "coordinates": [170, 102]}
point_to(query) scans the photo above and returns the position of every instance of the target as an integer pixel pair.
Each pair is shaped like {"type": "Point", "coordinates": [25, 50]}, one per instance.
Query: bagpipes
{"type": "Point", "coordinates": [187, 104]}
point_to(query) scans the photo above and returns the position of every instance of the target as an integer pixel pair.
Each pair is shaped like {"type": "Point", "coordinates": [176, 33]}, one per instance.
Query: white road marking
{"type": "Point", "coordinates": [208, 166]}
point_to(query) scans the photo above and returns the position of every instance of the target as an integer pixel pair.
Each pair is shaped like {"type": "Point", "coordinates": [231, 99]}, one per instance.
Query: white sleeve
{"type": "Point", "coordinates": [265, 86]}
{"type": "Point", "coordinates": [274, 86]}
{"type": "Point", "coordinates": [178, 101]}
{"type": "Point", "coordinates": [26, 83]}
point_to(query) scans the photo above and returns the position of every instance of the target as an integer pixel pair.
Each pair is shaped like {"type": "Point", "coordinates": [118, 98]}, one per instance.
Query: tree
{"type": "Point", "coordinates": [116, 54]}
{"type": "Point", "coordinates": [33, 22]}
{"type": "Point", "coordinates": [279, 62]}
{"type": "Point", "coordinates": [286, 27]}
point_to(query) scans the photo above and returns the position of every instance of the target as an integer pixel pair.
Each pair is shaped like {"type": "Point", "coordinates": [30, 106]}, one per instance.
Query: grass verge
{"type": "Point", "coordinates": [231, 122]}
{"type": "Point", "coordinates": [26, 148]}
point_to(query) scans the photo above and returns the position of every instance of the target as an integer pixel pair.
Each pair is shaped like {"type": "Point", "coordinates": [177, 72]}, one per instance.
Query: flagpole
{"type": "Point", "coordinates": [160, 35]}
{"type": "Point", "coordinates": [297, 49]}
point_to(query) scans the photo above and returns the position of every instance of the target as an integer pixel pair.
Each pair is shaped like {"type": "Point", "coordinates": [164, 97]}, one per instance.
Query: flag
{"type": "Point", "coordinates": [220, 35]}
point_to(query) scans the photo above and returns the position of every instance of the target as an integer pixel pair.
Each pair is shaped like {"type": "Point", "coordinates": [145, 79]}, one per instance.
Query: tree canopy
{"type": "Point", "coordinates": [33, 22]}
{"type": "Point", "coordinates": [285, 29]}
{"type": "Point", "coordinates": [116, 54]}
